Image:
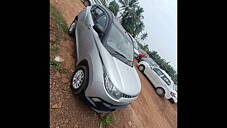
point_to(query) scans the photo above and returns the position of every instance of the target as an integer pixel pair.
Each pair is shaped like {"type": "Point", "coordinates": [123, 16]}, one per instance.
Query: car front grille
{"type": "Point", "coordinates": [127, 96]}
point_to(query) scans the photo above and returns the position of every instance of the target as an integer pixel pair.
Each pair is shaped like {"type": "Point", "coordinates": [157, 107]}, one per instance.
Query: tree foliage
{"type": "Point", "coordinates": [144, 36]}
{"type": "Point", "coordinates": [145, 48]}
{"type": "Point", "coordinates": [131, 17]}
{"type": "Point", "coordinates": [114, 7]}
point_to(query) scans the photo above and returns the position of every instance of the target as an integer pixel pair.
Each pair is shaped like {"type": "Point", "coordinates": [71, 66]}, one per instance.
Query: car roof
{"type": "Point", "coordinates": [114, 21]}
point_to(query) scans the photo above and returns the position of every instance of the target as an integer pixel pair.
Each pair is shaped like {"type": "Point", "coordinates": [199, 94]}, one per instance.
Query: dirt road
{"type": "Point", "coordinates": [68, 111]}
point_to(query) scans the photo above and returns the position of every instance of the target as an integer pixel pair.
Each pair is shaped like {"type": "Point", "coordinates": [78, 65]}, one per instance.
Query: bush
{"type": "Point", "coordinates": [106, 119]}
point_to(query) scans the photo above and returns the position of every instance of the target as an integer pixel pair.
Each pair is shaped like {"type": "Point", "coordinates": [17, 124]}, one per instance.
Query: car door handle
{"type": "Point", "coordinates": [89, 26]}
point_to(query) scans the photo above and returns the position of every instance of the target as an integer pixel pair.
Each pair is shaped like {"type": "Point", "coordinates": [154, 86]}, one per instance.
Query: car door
{"type": "Point", "coordinates": [86, 42]}
{"type": "Point", "coordinates": [156, 75]}
{"type": "Point", "coordinates": [151, 75]}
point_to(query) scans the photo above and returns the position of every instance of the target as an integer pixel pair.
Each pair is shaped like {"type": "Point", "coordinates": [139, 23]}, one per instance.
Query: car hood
{"type": "Point", "coordinates": [123, 76]}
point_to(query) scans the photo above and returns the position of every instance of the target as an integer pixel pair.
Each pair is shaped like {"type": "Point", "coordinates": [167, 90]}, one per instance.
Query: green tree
{"type": "Point", "coordinates": [128, 5]}
{"type": "Point", "coordinates": [175, 78]}
{"type": "Point", "coordinates": [145, 48]}
{"type": "Point", "coordinates": [131, 17]}
{"type": "Point", "coordinates": [114, 7]}
{"type": "Point", "coordinates": [144, 36]}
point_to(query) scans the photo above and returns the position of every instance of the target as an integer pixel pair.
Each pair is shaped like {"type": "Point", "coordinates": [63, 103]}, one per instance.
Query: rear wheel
{"type": "Point", "coordinates": [160, 91]}
{"type": "Point", "coordinates": [141, 68]}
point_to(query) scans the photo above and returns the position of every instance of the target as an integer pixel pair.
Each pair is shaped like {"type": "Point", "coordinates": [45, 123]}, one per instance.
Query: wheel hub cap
{"type": "Point", "coordinates": [159, 91]}
{"type": "Point", "coordinates": [141, 68]}
{"type": "Point", "coordinates": [78, 79]}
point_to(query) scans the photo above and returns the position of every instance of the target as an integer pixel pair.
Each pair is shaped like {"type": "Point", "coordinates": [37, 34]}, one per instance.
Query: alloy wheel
{"type": "Point", "coordinates": [78, 79]}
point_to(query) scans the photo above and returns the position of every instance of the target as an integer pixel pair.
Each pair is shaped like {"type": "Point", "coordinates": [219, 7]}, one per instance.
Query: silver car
{"type": "Point", "coordinates": [105, 75]}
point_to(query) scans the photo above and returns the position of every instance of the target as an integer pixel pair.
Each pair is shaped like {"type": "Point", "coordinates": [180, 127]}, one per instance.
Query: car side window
{"type": "Point", "coordinates": [96, 13]}
{"type": "Point", "coordinates": [102, 21]}
{"type": "Point", "coordinates": [99, 17]}
{"type": "Point", "coordinates": [159, 72]}
{"type": "Point", "coordinates": [167, 81]}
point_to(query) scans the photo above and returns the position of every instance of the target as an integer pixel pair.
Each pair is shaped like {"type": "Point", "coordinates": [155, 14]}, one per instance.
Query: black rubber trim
{"type": "Point", "coordinates": [101, 107]}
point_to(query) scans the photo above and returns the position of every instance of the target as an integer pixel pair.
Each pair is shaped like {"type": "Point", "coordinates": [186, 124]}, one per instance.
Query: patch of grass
{"type": "Point", "coordinates": [106, 119]}
{"type": "Point", "coordinates": [60, 23]}
{"type": "Point", "coordinates": [54, 46]}
{"type": "Point", "coordinates": [56, 65]}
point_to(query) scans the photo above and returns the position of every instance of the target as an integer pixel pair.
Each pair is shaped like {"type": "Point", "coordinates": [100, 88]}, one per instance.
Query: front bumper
{"type": "Point", "coordinates": [101, 106]}
{"type": "Point", "coordinates": [175, 100]}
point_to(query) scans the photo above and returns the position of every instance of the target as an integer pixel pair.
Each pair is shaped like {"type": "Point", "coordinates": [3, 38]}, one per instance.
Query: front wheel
{"type": "Point", "coordinates": [79, 79]}
{"type": "Point", "coordinates": [160, 91]}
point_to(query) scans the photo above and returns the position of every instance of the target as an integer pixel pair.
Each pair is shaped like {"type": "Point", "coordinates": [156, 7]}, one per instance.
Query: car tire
{"type": "Point", "coordinates": [72, 27]}
{"type": "Point", "coordinates": [171, 100]}
{"type": "Point", "coordinates": [86, 3]}
{"type": "Point", "coordinates": [79, 80]}
{"type": "Point", "coordinates": [160, 91]}
{"type": "Point", "coordinates": [141, 68]}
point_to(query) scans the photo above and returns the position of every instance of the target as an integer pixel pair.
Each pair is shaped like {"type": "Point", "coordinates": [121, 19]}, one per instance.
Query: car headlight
{"type": "Point", "coordinates": [110, 88]}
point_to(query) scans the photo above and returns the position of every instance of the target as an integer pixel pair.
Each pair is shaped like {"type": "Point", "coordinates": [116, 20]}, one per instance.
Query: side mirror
{"type": "Point", "coordinates": [99, 29]}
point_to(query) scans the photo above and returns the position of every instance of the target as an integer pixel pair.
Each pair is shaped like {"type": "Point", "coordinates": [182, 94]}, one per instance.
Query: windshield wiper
{"type": "Point", "coordinates": [118, 53]}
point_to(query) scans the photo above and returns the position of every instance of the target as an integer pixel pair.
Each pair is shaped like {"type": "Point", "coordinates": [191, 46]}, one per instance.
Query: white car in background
{"type": "Point", "coordinates": [150, 61]}
{"type": "Point", "coordinates": [161, 81]}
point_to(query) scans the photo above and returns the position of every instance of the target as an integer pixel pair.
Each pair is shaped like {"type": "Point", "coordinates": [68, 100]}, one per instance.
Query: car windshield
{"type": "Point", "coordinates": [120, 43]}
{"type": "Point", "coordinates": [136, 46]}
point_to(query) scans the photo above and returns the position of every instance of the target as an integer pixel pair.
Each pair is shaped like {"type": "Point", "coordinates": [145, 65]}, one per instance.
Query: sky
{"type": "Point", "coordinates": [160, 20]}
